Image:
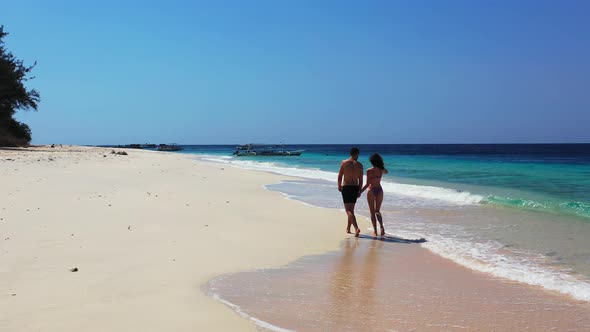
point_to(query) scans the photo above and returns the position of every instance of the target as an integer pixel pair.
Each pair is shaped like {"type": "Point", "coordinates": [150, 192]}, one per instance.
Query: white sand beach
{"type": "Point", "coordinates": [145, 231]}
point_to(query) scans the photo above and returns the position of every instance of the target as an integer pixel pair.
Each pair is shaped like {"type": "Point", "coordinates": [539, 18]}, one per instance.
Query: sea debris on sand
{"type": "Point", "coordinates": [120, 153]}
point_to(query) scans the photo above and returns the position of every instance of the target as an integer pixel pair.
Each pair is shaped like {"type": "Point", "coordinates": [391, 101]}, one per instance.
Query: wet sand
{"type": "Point", "coordinates": [373, 285]}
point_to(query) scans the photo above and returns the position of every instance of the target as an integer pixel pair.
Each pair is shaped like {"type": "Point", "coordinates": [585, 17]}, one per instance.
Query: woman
{"type": "Point", "coordinates": [375, 194]}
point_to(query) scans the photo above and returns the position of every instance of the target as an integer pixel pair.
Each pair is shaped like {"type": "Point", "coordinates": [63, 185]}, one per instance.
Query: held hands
{"type": "Point", "coordinates": [339, 187]}
{"type": "Point", "coordinates": [363, 190]}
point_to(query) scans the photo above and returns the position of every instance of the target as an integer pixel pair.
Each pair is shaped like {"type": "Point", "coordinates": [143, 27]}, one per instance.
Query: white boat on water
{"type": "Point", "coordinates": [265, 150]}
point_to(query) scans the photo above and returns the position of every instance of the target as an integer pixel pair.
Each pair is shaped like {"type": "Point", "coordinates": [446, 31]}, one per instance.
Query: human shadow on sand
{"type": "Point", "coordinates": [392, 239]}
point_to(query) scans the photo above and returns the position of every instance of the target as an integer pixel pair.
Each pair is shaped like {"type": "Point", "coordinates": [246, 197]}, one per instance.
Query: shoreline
{"type": "Point", "coordinates": [537, 271]}
{"type": "Point", "coordinates": [373, 285]}
{"type": "Point", "coordinates": [567, 305]}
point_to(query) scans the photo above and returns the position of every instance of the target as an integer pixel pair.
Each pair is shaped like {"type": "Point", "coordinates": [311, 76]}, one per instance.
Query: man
{"type": "Point", "coordinates": [350, 181]}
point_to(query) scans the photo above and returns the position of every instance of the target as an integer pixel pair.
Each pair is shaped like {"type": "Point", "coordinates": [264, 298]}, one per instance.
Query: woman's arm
{"type": "Point", "coordinates": [366, 185]}
{"type": "Point", "coordinates": [364, 188]}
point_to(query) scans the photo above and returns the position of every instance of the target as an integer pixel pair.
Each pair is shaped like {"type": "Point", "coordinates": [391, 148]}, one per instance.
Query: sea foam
{"type": "Point", "coordinates": [238, 310]}
{"type": "Point", "coordinates": [488, 257]}
{"type": "Point", "coordinates": [449, 196]}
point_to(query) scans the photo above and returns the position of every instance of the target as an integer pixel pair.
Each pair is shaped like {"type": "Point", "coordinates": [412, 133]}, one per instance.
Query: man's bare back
{"type": "Point", "coordinates": [352, 172]}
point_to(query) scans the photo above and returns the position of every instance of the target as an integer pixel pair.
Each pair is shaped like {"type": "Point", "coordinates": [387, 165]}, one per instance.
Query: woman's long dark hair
{"type": "Point", "coordinates": [377, 161]}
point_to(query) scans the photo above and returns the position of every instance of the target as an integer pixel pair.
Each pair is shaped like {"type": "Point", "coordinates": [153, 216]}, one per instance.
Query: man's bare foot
{"type": "Point", "coordinates": [374, 234]}
{"type": "Point", "coordinates": [382, 231]}
{"type": "Point", "coordinates": [348, 230]}
{"type": "Point", "coordinates": [357, 233]}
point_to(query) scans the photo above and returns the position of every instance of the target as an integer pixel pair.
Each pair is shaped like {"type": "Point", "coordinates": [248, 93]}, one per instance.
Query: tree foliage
{"type": "Point", "coordinates": [14, 96]}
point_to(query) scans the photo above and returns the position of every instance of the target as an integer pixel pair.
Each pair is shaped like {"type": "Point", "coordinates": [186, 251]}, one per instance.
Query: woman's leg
{"type": "Point", "coordinates": [371, 201]}
{"type": "Point", "coordinates": [378, 201]}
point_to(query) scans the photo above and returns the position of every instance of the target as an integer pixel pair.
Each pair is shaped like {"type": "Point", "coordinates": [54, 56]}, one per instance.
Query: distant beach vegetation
{"type": "Point", "coordinates": [14, 96]}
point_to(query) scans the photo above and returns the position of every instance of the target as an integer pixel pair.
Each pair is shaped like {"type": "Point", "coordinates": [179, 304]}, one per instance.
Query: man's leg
{"type": "Point", "coordinates": [349, 223]}
{"type": "Point", "coordinates": [349, 207]}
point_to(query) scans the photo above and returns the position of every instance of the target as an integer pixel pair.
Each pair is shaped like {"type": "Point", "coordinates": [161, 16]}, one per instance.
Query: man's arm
{"type": "Point", "coordinates": [340, 174]}
{"type": "Point", "coordinates": [361, 178]}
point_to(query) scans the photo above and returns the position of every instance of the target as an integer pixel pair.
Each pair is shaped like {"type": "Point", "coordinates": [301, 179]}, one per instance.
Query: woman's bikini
{"type": "Point", "coordinates": [376, 190]}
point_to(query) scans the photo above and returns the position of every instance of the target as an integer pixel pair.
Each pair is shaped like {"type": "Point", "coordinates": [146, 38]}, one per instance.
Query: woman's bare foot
{"type": "Point", "coordinates": [382, 231]}
{"type": "Point", "coordinates": [375, 234]}
{"type": "Point", "coordinates": [357, 233]}
{"type": "Point", "coordinates": [348, 230]}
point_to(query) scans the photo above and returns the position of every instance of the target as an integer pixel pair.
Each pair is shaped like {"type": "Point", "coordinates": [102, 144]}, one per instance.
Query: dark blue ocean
{"type": "Point", "coordinates": [517, 211]}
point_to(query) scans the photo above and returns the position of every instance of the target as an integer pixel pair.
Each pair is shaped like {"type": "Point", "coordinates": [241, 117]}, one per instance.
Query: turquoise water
{"type": "Point", "coordinates": [548, 178]}
{"type": "Point", "coordinates": [545, 186]}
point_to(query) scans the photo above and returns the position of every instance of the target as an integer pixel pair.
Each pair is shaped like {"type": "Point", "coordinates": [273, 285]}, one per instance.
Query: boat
{"type": "Point", "coordinates": [137, 146]}
{"type": "Point", "coordinates": [169, 147]}
{"type": "Point", "coordinates": [264, 150]}
{"type": "Point", "coordinates": [130, 146]}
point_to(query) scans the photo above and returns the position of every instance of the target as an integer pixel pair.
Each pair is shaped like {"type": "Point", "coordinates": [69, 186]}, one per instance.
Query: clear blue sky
{"type": "Point", "coordinates": [468, 71]}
